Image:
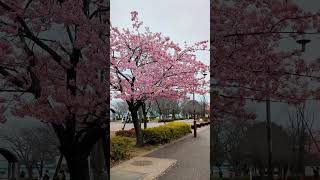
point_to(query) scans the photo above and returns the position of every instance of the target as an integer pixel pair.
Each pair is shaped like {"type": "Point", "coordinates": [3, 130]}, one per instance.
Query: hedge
{"type": "Point", "coordinates": [165, 133]}
{"type": "Point", "coordinates": [120, 147]}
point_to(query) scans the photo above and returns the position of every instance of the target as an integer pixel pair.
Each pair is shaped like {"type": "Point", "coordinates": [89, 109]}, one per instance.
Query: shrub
{"type": "Point", "coordinates": [126, 133]}
{"type": "Point", "coordinates": [165, 133]}
{"type": "Point", "coordinates": [120, 147]}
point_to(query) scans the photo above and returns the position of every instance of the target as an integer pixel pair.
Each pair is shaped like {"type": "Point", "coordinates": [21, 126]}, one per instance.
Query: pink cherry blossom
{"type": "Point", "coordinates": [248, 62]}
{"type": "Point", "coordinates": [53, 64]}
{"type": "Point", "coordinates": [146, 66]}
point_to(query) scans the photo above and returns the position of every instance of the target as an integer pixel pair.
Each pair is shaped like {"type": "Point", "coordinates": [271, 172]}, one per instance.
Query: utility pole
{"type": "Point", "coordinates": [269, 135]}
{"type": "Point", "coordinates": [269, 139]}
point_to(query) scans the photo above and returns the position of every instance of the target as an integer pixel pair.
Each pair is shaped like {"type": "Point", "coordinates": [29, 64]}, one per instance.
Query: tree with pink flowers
{"type": "Point", "coordinates": [247, 54]}
{"type": "Point", "coordinates": [147, 65]}
{"type": "Point", "coordinates": [53, 67]}
{"type": "Point", "coordinates": [248, 60]}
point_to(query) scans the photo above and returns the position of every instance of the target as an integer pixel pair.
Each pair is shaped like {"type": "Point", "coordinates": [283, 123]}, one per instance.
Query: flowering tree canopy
{"type": "Point", "coordinates": [146, 65]}
{"type": "Point", "coordinates": [53, 66]}
{"type": "Point", "coordinates": [53, 50]}
{"type": "Point", "coordinates": [249, 61]}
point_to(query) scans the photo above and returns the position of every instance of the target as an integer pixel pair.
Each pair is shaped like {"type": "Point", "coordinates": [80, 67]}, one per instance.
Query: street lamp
{"type": "Point", "coordinates": [194, 113]}
{"type": "Point", "coordinates": [303, 43]}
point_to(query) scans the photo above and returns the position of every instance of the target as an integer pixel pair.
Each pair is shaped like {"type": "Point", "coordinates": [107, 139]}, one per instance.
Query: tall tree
{"type": "Point", "coordinates": [54, 55]}
{"type": "Point", "coordinates": [147, 65]}
{"type": "Point", "coordinates": [248, 61]}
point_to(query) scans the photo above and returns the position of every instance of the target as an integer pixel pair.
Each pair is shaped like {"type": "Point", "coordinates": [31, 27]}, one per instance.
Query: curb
{"type": "Point", "coordinates": [166, 170]}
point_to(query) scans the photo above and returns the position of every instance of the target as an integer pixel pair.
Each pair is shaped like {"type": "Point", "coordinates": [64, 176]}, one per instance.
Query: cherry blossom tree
{"type": "Point", "coordinates": [54, 67]}
{"type": "Point", "coordinates": [248, 62]}
{"type": "Point", "coordinates": [147, 65]}
{"type": "Point", "coordinates": [247, 58]}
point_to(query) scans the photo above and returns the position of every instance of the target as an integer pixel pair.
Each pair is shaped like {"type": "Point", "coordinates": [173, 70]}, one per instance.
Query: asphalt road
{"type": "Point", "coordinates": [192, 155]}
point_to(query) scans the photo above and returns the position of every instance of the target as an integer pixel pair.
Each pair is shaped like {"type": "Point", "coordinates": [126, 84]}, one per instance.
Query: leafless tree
{"type": "Point", "coordinates": [204, 103]}
{"type": "Point", "coordinates": [165, 107]}
{"type": "Point", "coordinates": [190, 107]}
{"type": "Point", "coordinates": [120, 108]}
{"type": "Point", "coordinates": [300, 123]}
{"type": "Point", "coordinates": [34, 147]}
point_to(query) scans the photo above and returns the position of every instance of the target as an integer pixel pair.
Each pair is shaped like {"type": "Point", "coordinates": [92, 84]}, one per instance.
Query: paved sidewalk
{"type": "Point", "coordinates": [192, 155]}
{"type": "Point", "coordinates": [141, 168]}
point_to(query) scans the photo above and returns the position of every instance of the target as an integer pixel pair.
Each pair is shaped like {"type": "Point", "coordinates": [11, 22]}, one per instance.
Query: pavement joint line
{"type": "Point", "coordinates": [166, 170]}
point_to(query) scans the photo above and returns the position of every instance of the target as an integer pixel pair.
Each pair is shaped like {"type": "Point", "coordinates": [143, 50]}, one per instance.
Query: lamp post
{"type": "Point", "coordinates": [303, 43]}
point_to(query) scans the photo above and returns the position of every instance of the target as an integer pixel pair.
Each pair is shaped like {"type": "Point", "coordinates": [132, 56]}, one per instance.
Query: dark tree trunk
{"type": "Point", "coordinates": [173, 115]}
{"type": "Point", "coordinates": [137, 126]}
{"type": "Point", "coordinates": [106, 147]}
{"type": "Point", "coordinates": [160, 112]}
{"type": "Point", "coordinates": [78, 167]}
{"type": "Point", "coordinates": [301, 168]}
{"type": "Point", "coordinates": [30, 174]}
{"type": "Point", "coordinates": [41, 168]}
{"type": "Point", "coordinates": [76, 147]}
{"type": "Point", "coordinates": [97, 161]}
{"type": "Point", "coordinates": [58, 167]}
{"type": "Point", "coordinates": [144, 112]}
{"type": "Point", "coordinates": [145, 123]}
{"type": "Point", "coordinates": [124, 124]}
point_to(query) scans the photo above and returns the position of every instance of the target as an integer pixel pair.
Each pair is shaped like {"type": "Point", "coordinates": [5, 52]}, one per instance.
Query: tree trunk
{"type": "Point", "coordinates": [144, 112]}
{"type": "Point", "coordinates": [137, 126]}
{"type": "Point", "coordinates": [145, 123]}
{"type": "Point", "coordinates": [301, 169]}
{"type": "Point", "coordinates": [58, 167]}
{"type": "Point", "coordinates": [160, 112]}
{"type": "Point", "coordinates": [98, 161]}
{"type": "Point", "coordinates": [106, 148]}
{"type": "Point", "coordinates": [41, 168]}
{"type": "Point", "coordinates": [76, 149]}
{"type": "Point", "coordinates": [173, 115]}
{"type": "Point", "coordinates": [78, 167]}
{"type": "Point", "coordinates": [30, 174]}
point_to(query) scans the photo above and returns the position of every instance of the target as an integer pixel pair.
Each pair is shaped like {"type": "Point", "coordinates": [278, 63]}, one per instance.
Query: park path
{"type": "Point", "coordinates": [192, 155]}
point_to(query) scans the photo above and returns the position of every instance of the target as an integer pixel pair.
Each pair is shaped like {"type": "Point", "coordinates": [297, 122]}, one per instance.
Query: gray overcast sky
{"type": "Point", "coordinates": [181, 20]}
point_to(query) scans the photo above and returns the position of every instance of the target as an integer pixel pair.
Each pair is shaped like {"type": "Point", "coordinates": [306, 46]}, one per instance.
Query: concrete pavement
{"type": "Point", "coordinates": [192, 155]}
{"type": "Point", "coordinates": [141, 168]}
{"type": "Point", "coordinates": [184, 159]}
